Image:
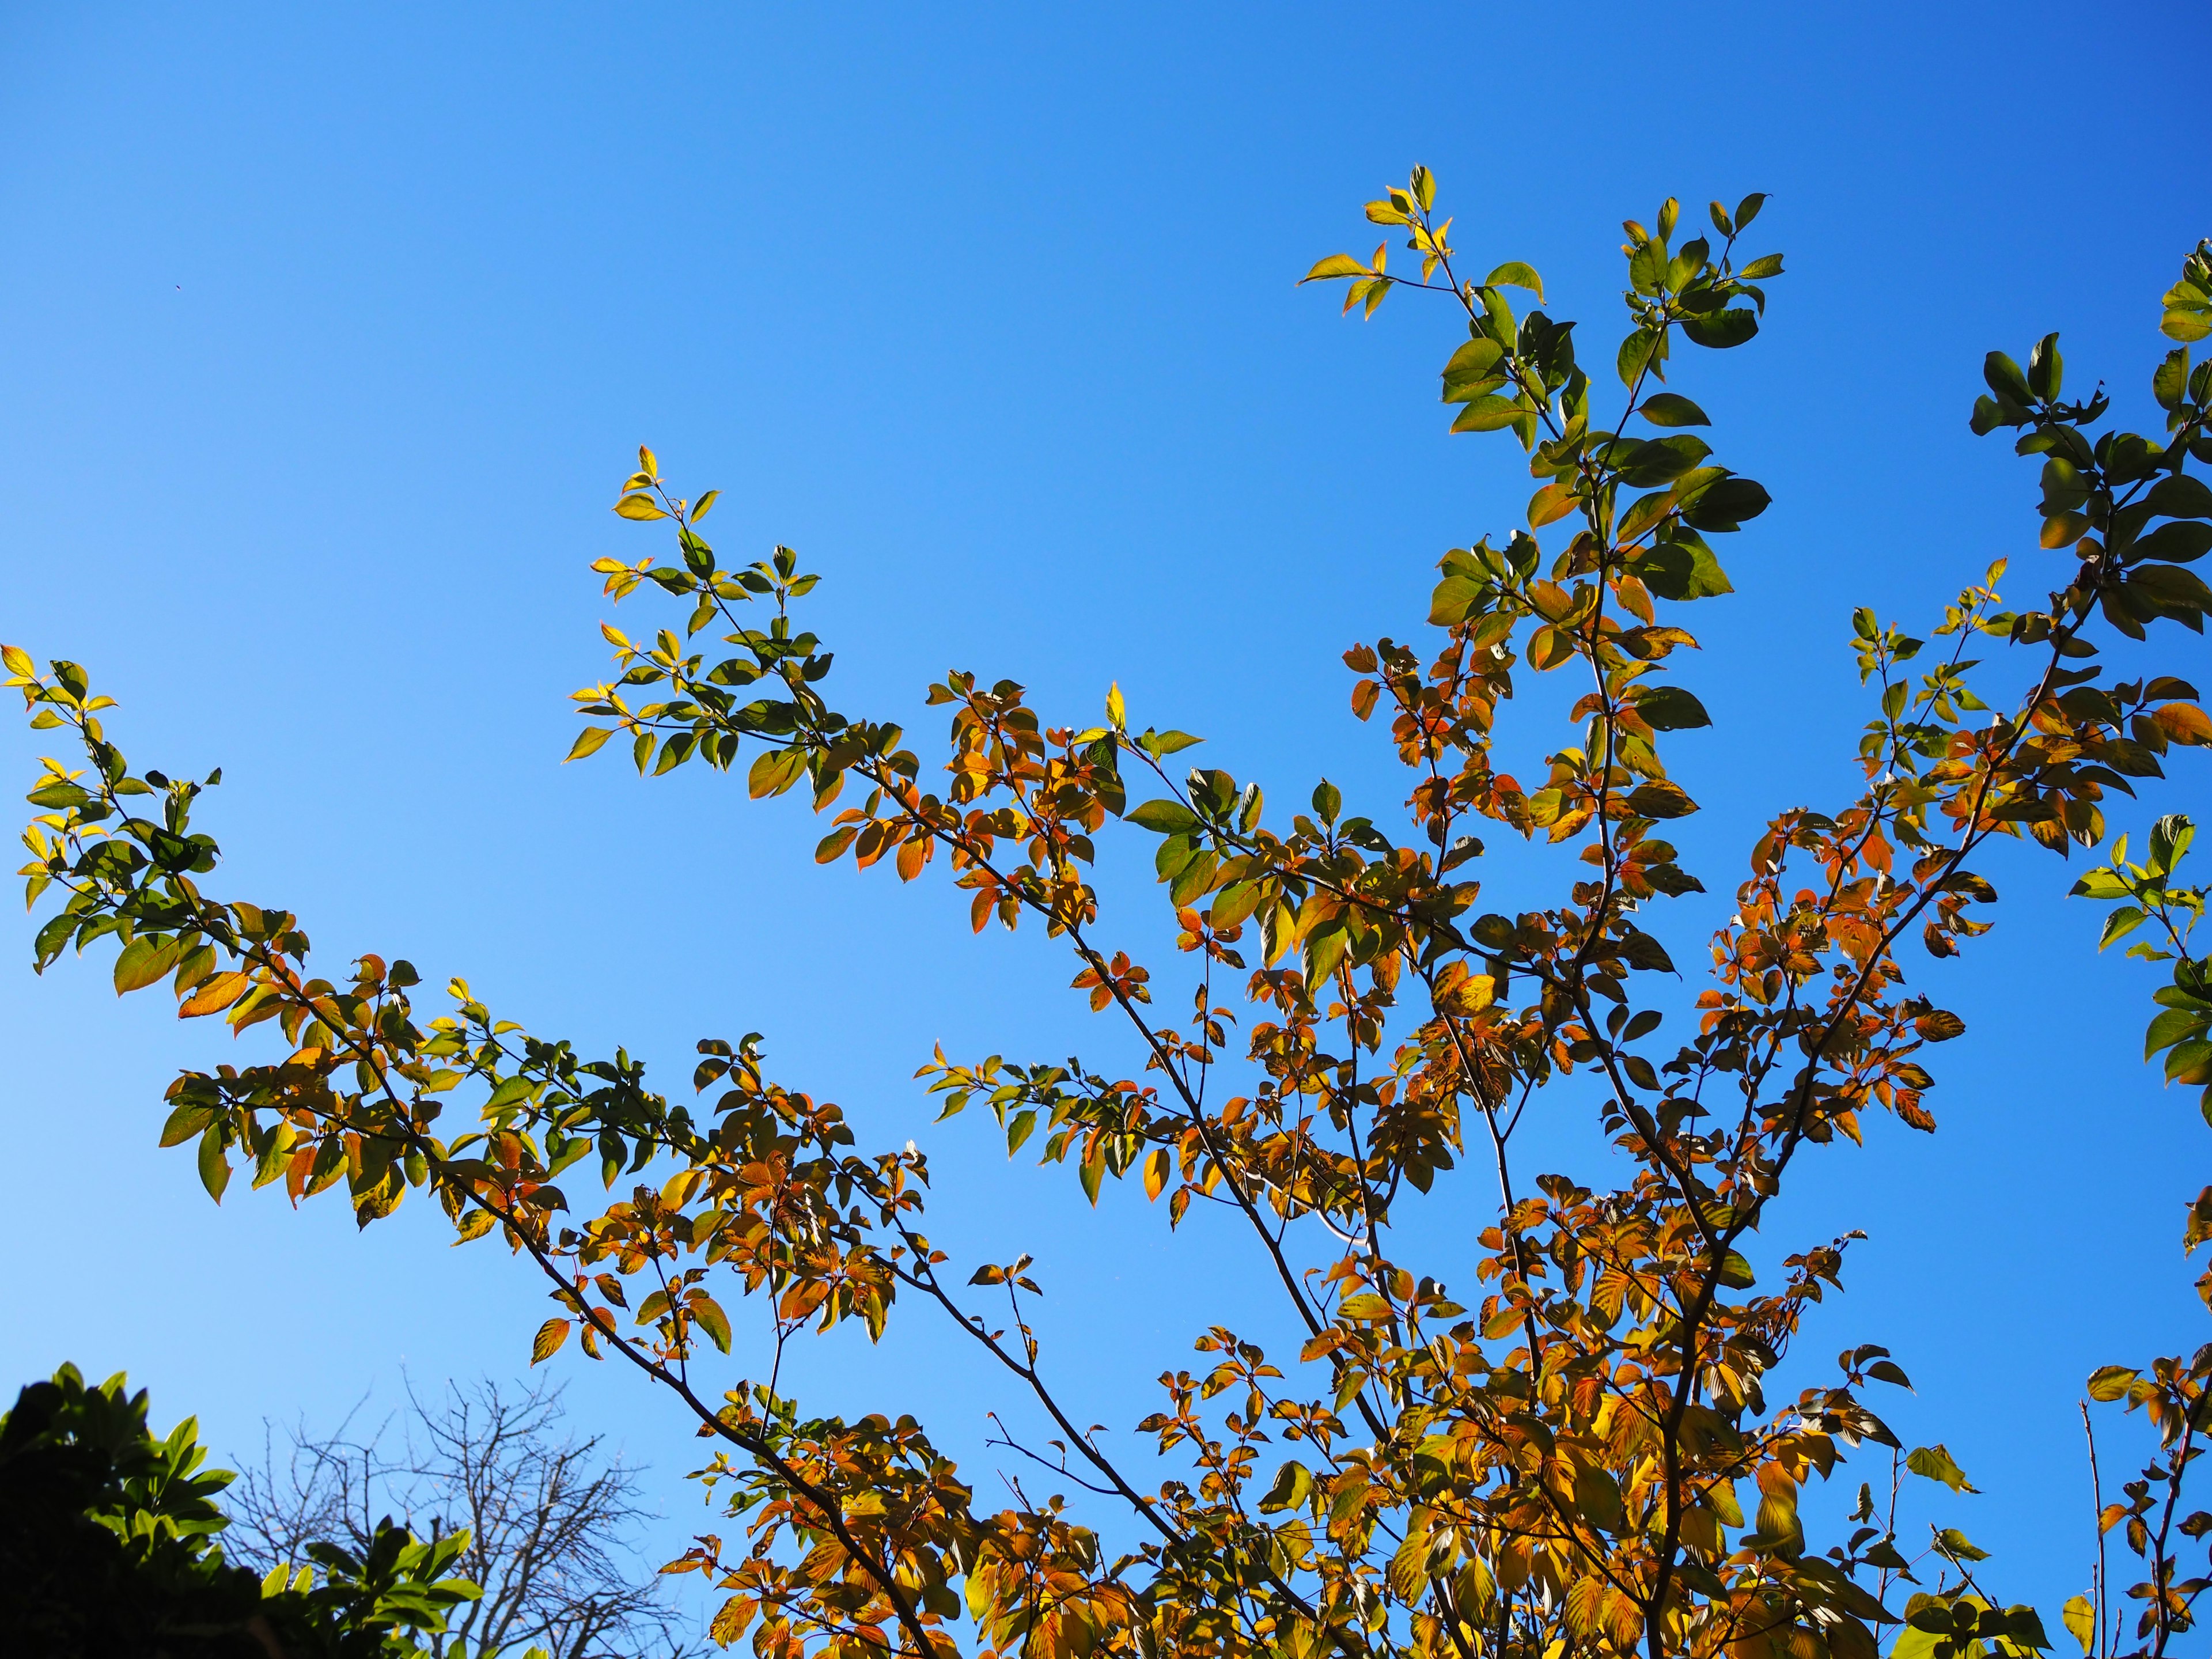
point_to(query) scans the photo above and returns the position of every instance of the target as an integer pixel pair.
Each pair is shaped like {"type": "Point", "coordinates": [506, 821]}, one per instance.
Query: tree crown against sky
{"type": "Point", "coordinates": [551, 1517]}
{"type": "Point", "coordinates": [1559, 1463]}
{"type": "Point", "coordinates": [112, 1542]}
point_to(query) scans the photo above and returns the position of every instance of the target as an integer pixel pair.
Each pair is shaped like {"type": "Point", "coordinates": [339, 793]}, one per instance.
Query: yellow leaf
{"type": "Point", "coordinates": [731, 1620]}
{"type": "Point", "coordinates": [639, 506]}
{"type": "Point", "coordinates": [775, 771]}
{"type": "Point", "coordinates": [1471, 995]}
{"type": "Point", "coordinates": [706, 505]}
{"type": "Point", "coordinates": [17, 659]}
{"type": "Point", "coordinates": [645, 462]}
{"type": "Point", "coordinates": [1117, 712]}
{"type": "Point", "coordinates": [547, 1343]}
{"type": "Point", "coordinates": [588, 742]}
{"type": "Point", "coordinates": [1157, 1170]}
{"type": "Point", "coordinates": [1337, 264]}
{"type": "Point", "coordinates": [2081, 1617]}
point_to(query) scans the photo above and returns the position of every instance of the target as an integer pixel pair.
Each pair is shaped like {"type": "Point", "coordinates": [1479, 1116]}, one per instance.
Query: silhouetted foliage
{"type": "Point", "coordinates": [109, 1546]}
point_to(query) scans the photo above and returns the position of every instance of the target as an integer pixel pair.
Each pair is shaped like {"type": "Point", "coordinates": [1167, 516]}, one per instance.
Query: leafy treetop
{"type": "Point", "coordinates": [1585, 1451]}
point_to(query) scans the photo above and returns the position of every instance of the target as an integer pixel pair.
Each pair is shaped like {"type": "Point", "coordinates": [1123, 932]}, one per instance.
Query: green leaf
{"type": "Point", "coordinates": [1195, 880]}
{"type": "Point", "coordinates": [1934, 1463]}
{"type": "Point", "coordinates": [2170, 837]}
{"type": "Point", "coordinates": [1721, 329]}
{"type": "Point", "coordinates": [1514, 274]}
{"type": "Point", "coordinates": [1959, 1545]}
{"type": "Point", "coordinates": [1168, 743]}
{"type": "Point", "coordinates": [1725, 503]}
{"type": "Point", "coordinates": [2180, 495]}
{"type": "Point", "coordinates": [2005, 378]}
{"type": "Point", "coordinates": [2118, 925]}
{"type": "Point", "coordinates": [1672, 409]}
{"type": "Point", "coordinates": [1293, 1484]}
{"type": "Point", "coordinates": [1454, 597]}
{"type": "Point", "coordinates": [589, 741]}
{"type": "Point", "coordinates": [1324, 949]}
{"type": "Point", "coordinates": [1664, 460]}
{"type": "Point", "coordinates": [1473, 371]}
{"type": "Point", "coordinates": [1682, 569]}
{"type": "Point", "coordinates": [190, 1118]}
{"type": "Point", "coordinates": [1634, 355]}
{"type": "Point", "coordinates": [1162, 817]}
{"type": "Point", "coordinates": [1670, 708]}
{"type": "Point", "coordinates": [712, 1320]}
{"type": "Point", "coordinates": [1989, 415]}
{"type": "Point", "coordinates": [2104, 883]}
{"type": "Point", "coordinates": [2170, 587]}
{"type": "Point", "coordinates": [2180, 543]}
{"type": "Point", "coordinates": [1337, 264]}
{"type": "Point", "coordinates": [1660, 800]}
{"type": "Point", "coordinates": [640, 507]}
{"type": "Point", "coordinates": [510, 1090]}
{"type": "Point", "coordinates": [1490, 414]}
{"type": "Point", "coordinates": [214, 1166]}
{"type": "Point", "coordinates": [2047, 369]}
{"type": "Point", "coordinates": [1235, 904]}
{"type": "Point", "coordinates": [143, 961]}
{"type": "Point", "coordinates": [2187, 324]}
{"type": "Point", "coordinates": [774, 772]}
{"type": "Point", "coordinates": [2189, 1061]}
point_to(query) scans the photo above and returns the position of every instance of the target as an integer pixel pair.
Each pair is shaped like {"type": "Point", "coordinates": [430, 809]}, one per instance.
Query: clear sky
{"type": "Point", "coordinates": [331, 331]}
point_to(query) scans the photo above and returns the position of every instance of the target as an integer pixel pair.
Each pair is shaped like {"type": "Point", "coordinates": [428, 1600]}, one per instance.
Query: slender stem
{"type": "Point", "coordinates": [2100, 1646]}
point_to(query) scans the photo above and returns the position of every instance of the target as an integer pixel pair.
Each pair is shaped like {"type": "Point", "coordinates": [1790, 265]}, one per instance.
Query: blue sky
{"type": "Point", "coordinates": [332, 333]}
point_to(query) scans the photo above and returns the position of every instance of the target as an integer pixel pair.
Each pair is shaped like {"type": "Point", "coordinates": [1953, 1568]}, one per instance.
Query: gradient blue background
{"type": "Point", "coordinates": [329, 335]}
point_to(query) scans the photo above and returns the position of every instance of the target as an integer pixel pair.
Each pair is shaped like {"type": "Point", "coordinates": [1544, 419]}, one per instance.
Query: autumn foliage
{"type": "Point", "coordinates": [1584, 1448]}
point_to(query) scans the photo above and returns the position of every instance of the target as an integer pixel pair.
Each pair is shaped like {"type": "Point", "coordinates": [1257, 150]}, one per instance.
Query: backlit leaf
{"type": "Point", "coordinates": [1934, 1463]}
{"type": "Point", "coordinates": [1672, 409]}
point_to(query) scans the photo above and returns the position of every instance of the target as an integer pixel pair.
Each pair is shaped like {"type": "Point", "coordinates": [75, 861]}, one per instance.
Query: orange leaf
{"type": "Point", "coordinates": [550, 1335]}
{"type": "Point", "coordinates": [215, 994]}
{"type": "Point", "coordinates": [1550, 504]}
{"type": "Point", "coordinates": [2184, 722]}
{"type": "Point", "coordinates": [1156, 1170]}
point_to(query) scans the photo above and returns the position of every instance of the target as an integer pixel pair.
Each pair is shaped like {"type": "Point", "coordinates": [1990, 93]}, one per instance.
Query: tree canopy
{"type": "Point", "coordinates": [1588, 1431]}
{"type": "Point", "coordinates": [110, 1543]}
